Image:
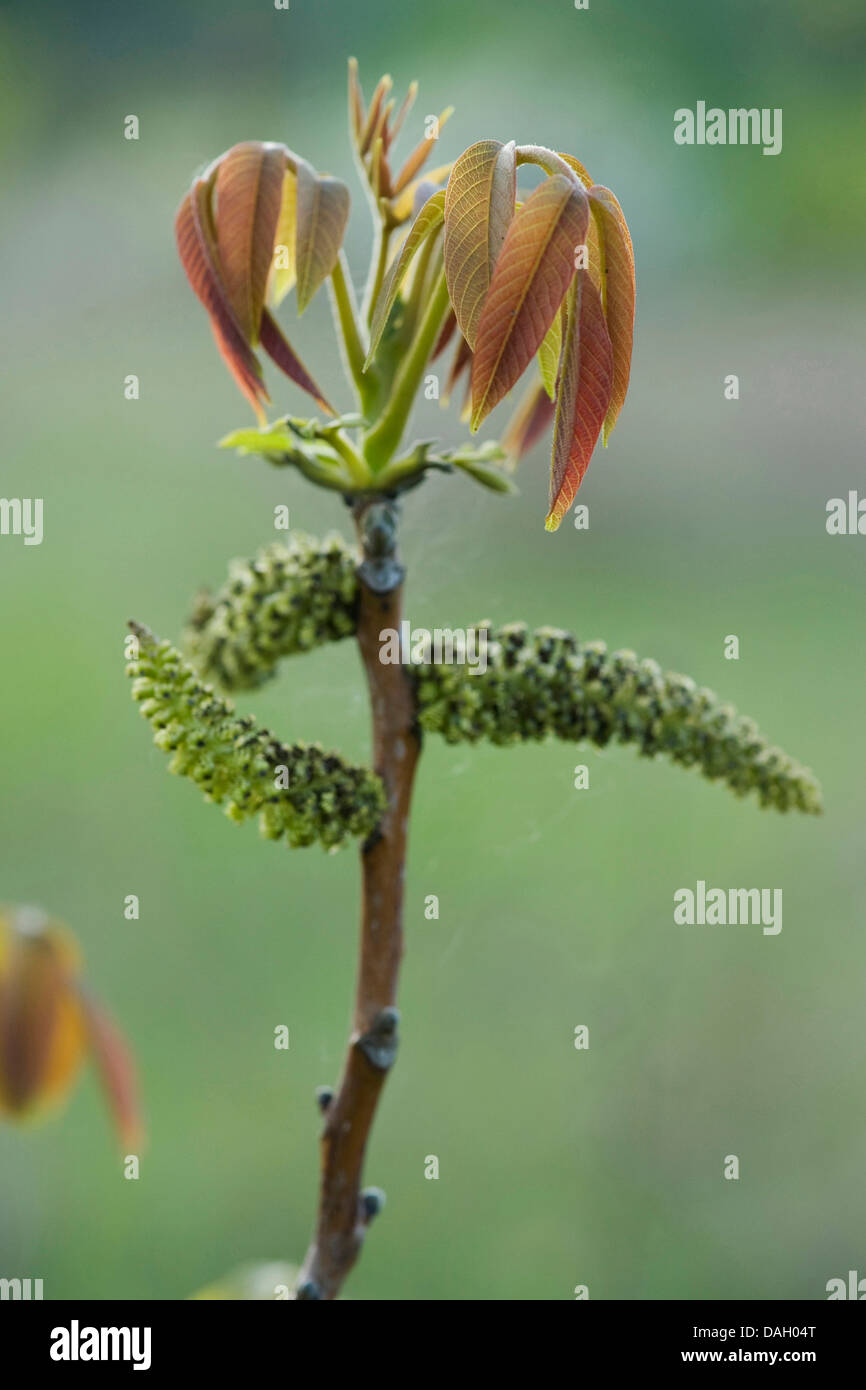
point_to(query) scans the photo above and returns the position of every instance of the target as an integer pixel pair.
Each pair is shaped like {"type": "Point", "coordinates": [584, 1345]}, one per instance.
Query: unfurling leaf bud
{"type": "Point", "coordinates": [298, 791]}
{"type": "Point", "coordinates": [546, 682]}
{"type": "Point", "coordinates": [287, 600]}
{"type": "Point", "coordinates": [49, 1024]}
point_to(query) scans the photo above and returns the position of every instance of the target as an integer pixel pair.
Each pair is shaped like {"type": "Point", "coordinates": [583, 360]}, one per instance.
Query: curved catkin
{"type": "Point", "coordinates": [547, 683]}
{"type": "Point", "coordinates": [288, 599]}
{"type": "Point", "coordinates": [244, 767]}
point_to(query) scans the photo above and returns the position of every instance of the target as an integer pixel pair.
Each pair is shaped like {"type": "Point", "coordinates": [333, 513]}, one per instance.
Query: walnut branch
{"type": "Point", "coordinates": [344, 1209]}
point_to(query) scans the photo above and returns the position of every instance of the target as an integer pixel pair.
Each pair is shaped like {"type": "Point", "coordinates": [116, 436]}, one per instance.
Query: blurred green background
{"type": "Point", "coordinates": [707, 518]}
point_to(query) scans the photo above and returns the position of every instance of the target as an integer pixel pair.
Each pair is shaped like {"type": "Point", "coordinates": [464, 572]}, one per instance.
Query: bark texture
{"type": "Point", "coordinates": [345, 1210]}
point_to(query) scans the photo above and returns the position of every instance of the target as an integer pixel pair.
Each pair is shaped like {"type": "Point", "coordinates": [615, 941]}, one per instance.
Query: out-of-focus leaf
{"type": "Point", "coordinates": [461, 361]}
{"type": "Point", "coordinates": [424, 191]}
{"type": "Point", "coordinates": [48, 1024]}
{"type": "Point", "coordinates": [617, 292]}
{"type": "Point", "coordinates": [529, 422]}
{"type": "Point", "coordinates": [586, 381]}
{"type": "Point", "coordinates": [383, 87]}
{"type": "Point", "coordinates": [479, 206]}
{"type": "Point", "coordinates": [272, 439]}
{"type": "Point", "coordinates": [302, 444]}
{"type": "Point", "coordinates": [530, 278]}
{"type": "Point", "coordinates": [377, 170]}
{"type": "Point", "coordinates": [196, 244]}
{"type": "Point", "coordinates": [482, 465]}
{"type": "Point", "coordinates": [116, 1071]}
{"type": "Point", "coordinates": [402, 206]}
{"type": "Point", "coordinates": [280, 351]}
{"type": "Point", "coordinates": [421, 153]}
{"type": "Point", "coordinates": [449, 328]}
{"type": "Point", "coordinates": [284, 269]}
{"type": "Point", "coordinates": [42, 1035]}
{"type": "Point", "coordinates": [322, 213]}
{"type": "Point", "coordinates": [426, 223]}
{"type": "Point", "coordinates": [248, 194]}
{"type": "Point", "coordinates": [549, 353]}
{"type": "Point", "coordinates": [406, 107]}
{"type": "Point", "coordinates": [356, 101]}
{"type": "Point", "coordinates": [378, 141]}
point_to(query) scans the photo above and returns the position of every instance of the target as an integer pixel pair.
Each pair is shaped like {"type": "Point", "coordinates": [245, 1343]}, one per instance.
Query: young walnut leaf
{"type": "Point", "coordinates": [421, 153]}
{"type": "Point", "coordinates": [449, 328]}
{"type": "Point", "coordinates": [356, 101]}
{"type": "Point", "coordinates": [428, 221]}
{"type": "Point", "coordinates": [528, 423]}
{"type": "Point", "coordinates": [585, 383]}
{"type": "Point", "coordinates": [403, 205]}
{"type": "Point", "coordinates": [530, 278]}
{"type": "Point", "coordinates": [116, 1069]}
{"type": "Point", "coordinates": [248, 195]}
{"type": "Point", "coordinates": [479, 205]}
{"type": "Point", "coordinates": [322, 213]}
{"type": "Point", "coordinates": [196, 244]}
{"type": "Point", "coordinates": [226, 228]}
{"type": "Point", "coordinates": [461, 361]}
{"type": "Point", "coordinates": [372, 123]}
{"type": "Point", "coordinates": [278, 348]}
{"type": "Point", "coordinates": [617, 292]}
{"type": "Point", "coordinates": [283, 269]}
{"type": "Point", "coordinates": [50, 1023]}
{"type": "Point", "coordinates": [549, 354]}
{"type": "Point", "coordinates": [578, 168]}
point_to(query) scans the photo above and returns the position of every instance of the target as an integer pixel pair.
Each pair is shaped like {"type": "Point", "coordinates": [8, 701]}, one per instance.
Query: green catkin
{"type": "Point", "coordinates": [289, 599]}
{"type": "Point", "coordinates": [546, 682]}
{"type": "Point", "coordinates": [236, 763]}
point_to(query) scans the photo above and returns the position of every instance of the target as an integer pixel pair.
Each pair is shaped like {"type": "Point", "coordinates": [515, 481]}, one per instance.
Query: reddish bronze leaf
{"type": "Point", "coordinates": [528, 423]}
{"type": "Point", "coordinates": [461, 361]}
{"type": "Point", "coordinates": [447, 332]}
{"type": "Point", "coordinates": [383, 87]}
{"type": "Point", "coordinates": [248, 194]}
{"type": "Point", "coordinates": [479, 205]}
{"type": "Point", "coordinates": [116, 1071]}
{"type": "Point", "coordinates": [280, 351]}
{"type": "Point", "coordinates": [583, 395]}
{"type": "Point", "coordinates": [196, 243]}
{"type": "Point", "coordinates": [322, 213]}
{"type": "Point", "coordinates": [530, 278]}
{"type": "Point", "coordinates": [617, 292]}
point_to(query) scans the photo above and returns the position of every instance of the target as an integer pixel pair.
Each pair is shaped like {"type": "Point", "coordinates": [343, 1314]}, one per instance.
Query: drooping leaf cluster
{"type": "Point", "coordinates": [545, 278]}
{"type": "Point", "coordinates": [50, 1023]}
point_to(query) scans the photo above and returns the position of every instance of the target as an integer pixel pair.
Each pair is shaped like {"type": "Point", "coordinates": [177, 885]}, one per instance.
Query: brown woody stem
{"type": "Point", "coordinates": [344, 1210]}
